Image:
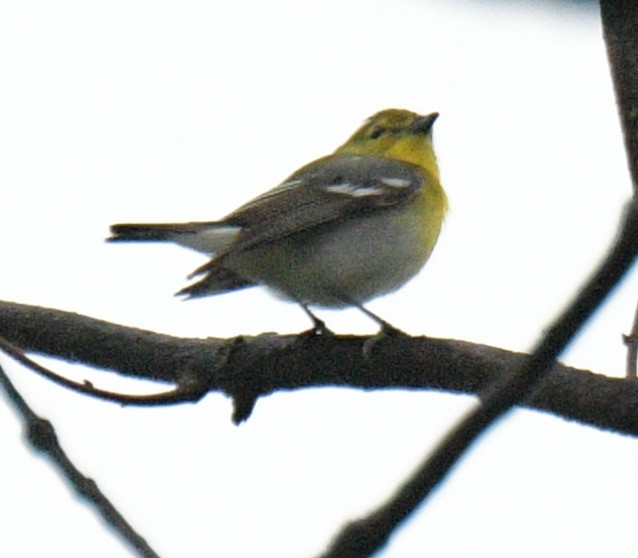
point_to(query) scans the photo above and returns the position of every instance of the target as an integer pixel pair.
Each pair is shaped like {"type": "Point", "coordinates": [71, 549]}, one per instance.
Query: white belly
{"type": "Point", "coordinates": [353, 261]}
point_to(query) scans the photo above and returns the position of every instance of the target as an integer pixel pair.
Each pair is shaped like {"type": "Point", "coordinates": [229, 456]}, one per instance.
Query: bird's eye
{"type": "Point", "coordinates": [377, 132]}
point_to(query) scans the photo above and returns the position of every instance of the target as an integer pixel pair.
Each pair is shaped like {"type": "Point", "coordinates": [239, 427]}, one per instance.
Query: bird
{"type": "Point", "coordinates": [340, 231]}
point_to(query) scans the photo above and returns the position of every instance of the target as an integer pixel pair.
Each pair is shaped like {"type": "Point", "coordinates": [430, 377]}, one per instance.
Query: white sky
{"type": "Point", "coordinates": [177, 111]}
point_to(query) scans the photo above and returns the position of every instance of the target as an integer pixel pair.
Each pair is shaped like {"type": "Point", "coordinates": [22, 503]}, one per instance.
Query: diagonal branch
{"type": "Point", "coordinates": [42, 437]}
{"type": "Point", "coordinates": [366, 536]}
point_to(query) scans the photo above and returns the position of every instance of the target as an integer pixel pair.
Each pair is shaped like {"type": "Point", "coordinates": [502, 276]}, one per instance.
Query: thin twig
{"type": "Point", "coordinates": [631, 341]}
{"type": "Point", "coordinates": [43, 438]}
{"type": "Point", "coordinates": [182, 394]}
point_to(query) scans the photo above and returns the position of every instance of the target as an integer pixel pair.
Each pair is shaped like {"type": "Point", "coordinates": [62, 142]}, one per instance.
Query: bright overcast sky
{"type": "Point", "coordinates": [177, 111]}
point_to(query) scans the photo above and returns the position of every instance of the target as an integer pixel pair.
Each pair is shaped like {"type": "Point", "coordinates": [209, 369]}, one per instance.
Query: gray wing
{"type": "Point", "coordinates": [324, 191]}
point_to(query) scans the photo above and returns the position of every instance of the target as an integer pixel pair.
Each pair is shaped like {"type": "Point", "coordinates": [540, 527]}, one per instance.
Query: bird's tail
{"type": "Point", "coordinates": [208, 237]}
{"type": "Point", "coordinates": [144, 232]}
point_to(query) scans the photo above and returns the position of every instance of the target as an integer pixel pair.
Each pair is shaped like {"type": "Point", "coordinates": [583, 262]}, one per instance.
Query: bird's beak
{"type": "Point", "coordinates": [423, 124]}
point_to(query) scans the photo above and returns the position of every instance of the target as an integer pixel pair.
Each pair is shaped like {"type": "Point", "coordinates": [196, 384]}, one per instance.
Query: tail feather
{"type": "Point", "coordinates": [125, 232]}
{"type": "Point", "coordinates": [207, 237]}
{"type": "Point", "coordinates": [217, 281]}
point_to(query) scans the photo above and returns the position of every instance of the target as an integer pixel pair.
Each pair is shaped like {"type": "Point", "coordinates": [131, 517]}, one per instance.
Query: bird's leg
{"type": "Point", "coordinates": [387, 329]}
{"type": "Point", "coordinates": [318, 326]}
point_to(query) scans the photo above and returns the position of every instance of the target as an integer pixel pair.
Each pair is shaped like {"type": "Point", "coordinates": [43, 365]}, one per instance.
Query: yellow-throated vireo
{"type": "Point", "coordinates": [338, 232]}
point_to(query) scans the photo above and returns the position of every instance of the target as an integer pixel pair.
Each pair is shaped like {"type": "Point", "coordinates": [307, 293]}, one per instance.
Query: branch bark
{"type": "Point", "coordinates": [246, 368]}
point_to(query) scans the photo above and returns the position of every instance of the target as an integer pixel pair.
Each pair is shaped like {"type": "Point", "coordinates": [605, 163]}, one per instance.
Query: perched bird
{"type": "Point", "coordinates": [338, 232]}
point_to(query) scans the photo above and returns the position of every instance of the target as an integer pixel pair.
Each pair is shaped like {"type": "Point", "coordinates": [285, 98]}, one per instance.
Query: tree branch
{"type": "Point", "coordinates": [42, 437]}
{"type": "Point", "coordinates": [246, 368]}
{"type": "Point", "coordinates": [620, 29]}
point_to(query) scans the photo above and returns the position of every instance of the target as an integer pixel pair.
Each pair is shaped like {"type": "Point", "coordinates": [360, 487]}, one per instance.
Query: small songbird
{"type": "Point", "coordinates": [338, 232]}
